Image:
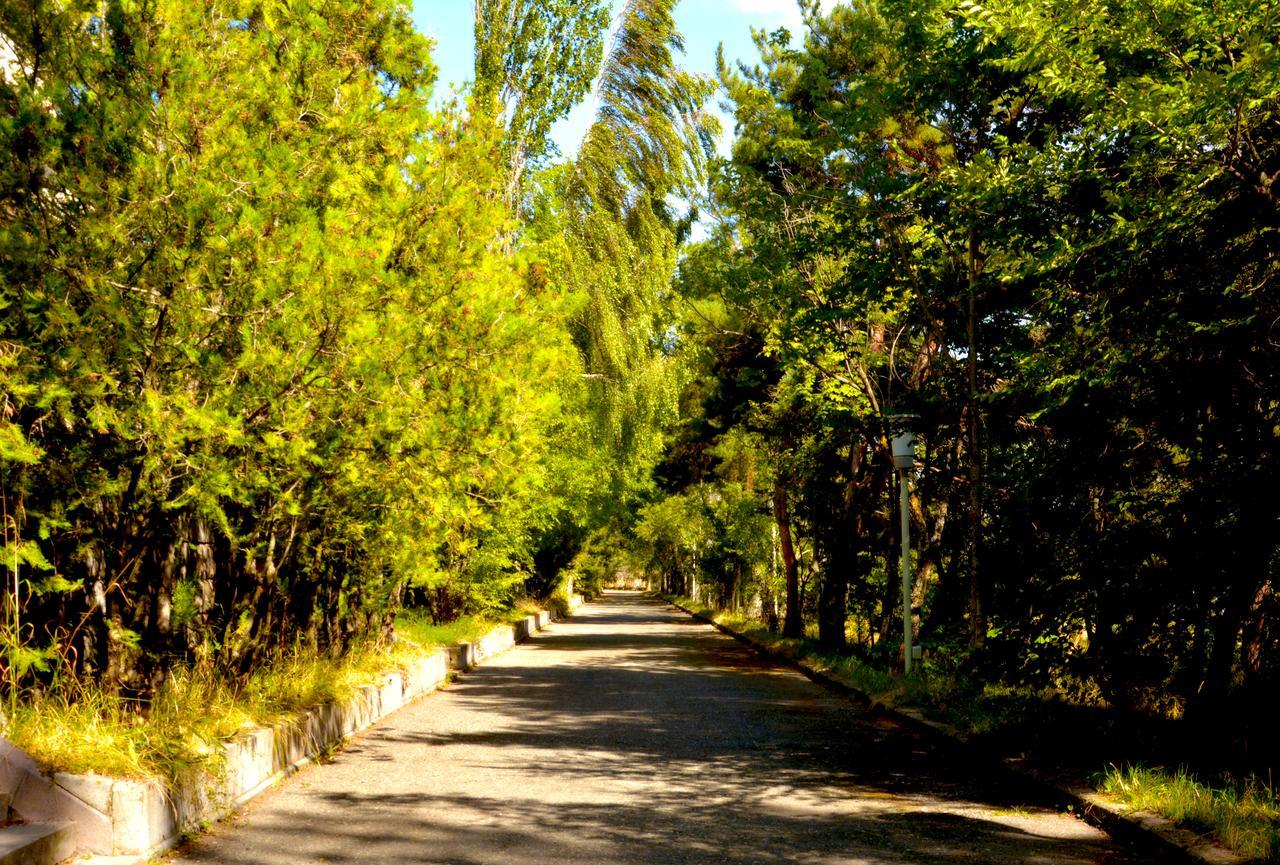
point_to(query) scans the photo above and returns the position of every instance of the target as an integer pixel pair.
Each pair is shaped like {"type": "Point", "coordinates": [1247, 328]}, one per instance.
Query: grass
{"type": "Point", "coordinates": [77, 728]}
{"type": "Point", "coordinates": [1068, 738]}
{"type": "Point", "coordinates": [980, 708]}
{"type": "Point", "coordinates": [418, 627]}
{"type": "Point", "coordinates": [1015, 811]}
{"type": "Point", "coordinates": [1245, 817]}
{"type": "Point", "coordinates": [870, 680]}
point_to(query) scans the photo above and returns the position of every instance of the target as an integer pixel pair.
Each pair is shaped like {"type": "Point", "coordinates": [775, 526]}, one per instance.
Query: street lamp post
{"type": "Point", "coordinates": [904, 458]}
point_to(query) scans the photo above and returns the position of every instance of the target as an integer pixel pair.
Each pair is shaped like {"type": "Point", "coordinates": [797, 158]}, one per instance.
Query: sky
{"type": "Point", "coordinates": [704, 24]}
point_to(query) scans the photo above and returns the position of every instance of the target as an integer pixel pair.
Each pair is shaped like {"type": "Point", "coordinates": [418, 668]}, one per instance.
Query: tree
{"type": "Point", "coordinates": [266, 366]}
{"type": "Point", "coordinates": [533, 63]}
{"type": "Point", "coordinates": [1045, 230]}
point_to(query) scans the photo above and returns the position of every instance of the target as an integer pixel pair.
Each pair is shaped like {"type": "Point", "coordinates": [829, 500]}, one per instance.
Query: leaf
{"type": "Point", "coordinates": [15, 448]}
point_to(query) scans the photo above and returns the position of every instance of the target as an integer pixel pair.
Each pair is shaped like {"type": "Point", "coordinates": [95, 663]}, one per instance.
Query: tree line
{"type": "Point", "coordinates": [1048, 231]}
{"type": "Point", "coordinates": [285, 345]}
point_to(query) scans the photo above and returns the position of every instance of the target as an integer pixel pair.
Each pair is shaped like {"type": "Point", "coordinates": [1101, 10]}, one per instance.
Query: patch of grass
{"type": "Point", "coordinates": [1245, 817]}
{"type": "Point", "coordinates": [522, 610]}
{"type": "Point", "coordinates": [73, 727]}
{"type": "Point", "coordinates": [418, 627]}
{"type": "Point", "coordinates": [1014, 811]}
{"type": "Point", "coordinates": [966, 704]}
{"type": "Point", "coordinates": [873, 681]}
{"type": "Point", "coordinates": [559, 604]}
{"type": "Point", "coordinates": [94, 732]}
{"type": "Point", "coordinates": [81, 728]}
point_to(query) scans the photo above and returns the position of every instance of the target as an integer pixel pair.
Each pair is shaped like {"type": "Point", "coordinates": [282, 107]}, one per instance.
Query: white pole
{"type": "Point", "coordinates": [904, 501]}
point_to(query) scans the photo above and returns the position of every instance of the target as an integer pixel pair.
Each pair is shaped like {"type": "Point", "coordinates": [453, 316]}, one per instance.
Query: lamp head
{"type": "Point", "coordinates": [904, 450]}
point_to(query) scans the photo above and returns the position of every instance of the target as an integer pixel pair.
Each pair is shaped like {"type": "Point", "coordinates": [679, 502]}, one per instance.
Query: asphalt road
{"type": "Point", "coordinates": [631, 734]}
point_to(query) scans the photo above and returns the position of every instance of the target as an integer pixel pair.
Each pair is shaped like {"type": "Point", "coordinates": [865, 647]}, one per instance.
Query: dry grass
{"type": "Point", "coordinates": [79, 728]}
{"type": "Point", "coordinates": [73, 727]}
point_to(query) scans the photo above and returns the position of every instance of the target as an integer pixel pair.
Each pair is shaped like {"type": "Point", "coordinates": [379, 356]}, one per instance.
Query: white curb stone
{"type": "Point", "coordinates": [125, 821]}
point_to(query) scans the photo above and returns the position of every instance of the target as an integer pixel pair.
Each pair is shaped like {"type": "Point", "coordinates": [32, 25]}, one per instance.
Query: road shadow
{"type": "Point", "coordinates": [509, 828]}
{"type": "Point", "coordinates": [626, 736]}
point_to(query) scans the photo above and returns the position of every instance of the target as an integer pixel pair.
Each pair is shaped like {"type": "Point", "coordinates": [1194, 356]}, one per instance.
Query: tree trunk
{"type": "Point", "coordinates": [1217, 677]}
{"type": "Point", "coordinates": [792, 623]}
{"type": "Point", "coordinates": [977, 611]}
{"type": "Point", "coordinates": [833, 599]}
{"type": "Point", "coordinates": [1255, 630]}
{"type": "Point", "coordinates": [769, 611]}
{"type": "Point", "coordinates": [832, 603]}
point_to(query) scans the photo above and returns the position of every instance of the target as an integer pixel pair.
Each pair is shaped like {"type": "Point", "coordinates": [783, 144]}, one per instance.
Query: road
{"type": "Point", "coordinates": [631, 734]}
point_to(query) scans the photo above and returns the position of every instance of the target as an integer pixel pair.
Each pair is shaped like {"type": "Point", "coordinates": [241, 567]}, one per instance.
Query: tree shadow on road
{"type": "Point", "coordinates": [632, 738]}
{"type": "Point", "coordinates": [502, 828]}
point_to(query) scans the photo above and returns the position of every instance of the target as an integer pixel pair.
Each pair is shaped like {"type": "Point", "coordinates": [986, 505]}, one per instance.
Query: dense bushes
{"type": "Point", "coordinates": [283, 347]}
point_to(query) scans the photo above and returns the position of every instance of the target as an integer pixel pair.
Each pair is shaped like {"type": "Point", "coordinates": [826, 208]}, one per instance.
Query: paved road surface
{"type": "Point", "coordinates": [632, 735]}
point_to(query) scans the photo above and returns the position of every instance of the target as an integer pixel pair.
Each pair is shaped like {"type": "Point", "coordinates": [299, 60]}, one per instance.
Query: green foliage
{"type": "Point", "coordinates": [650, 140]}
{"type": "Point", "coordinates": [283, 348]}
{"type": "Point", "coordinates": [534, 61]}
{"type": "Point", "coordinates": [1047, 231]}
{"type": "Point", "coordinates": [270, 359]}
{"type": "Point", "coordinates": [600, 559]}
{"type": "Point", "coordinates": [652, 134]}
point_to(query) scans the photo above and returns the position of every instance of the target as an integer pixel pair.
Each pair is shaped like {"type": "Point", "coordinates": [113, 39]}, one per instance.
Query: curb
{"type": "Point", "coordinates": [515, 634]}
{"type": "Point", "coordinates": [1154, 833]}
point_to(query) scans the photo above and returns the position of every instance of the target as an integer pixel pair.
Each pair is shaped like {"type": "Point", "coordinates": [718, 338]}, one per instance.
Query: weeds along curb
{"type": "Point", "coordinates": [1157, 835]}
{"type": "Point", "coordinates": [128, 822]}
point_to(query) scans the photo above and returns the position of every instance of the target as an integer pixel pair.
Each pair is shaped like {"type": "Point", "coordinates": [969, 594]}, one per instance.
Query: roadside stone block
{"type": "Point", "coordinates": [248, 761]}
{"type": "Point", "coordinates": [498, 640]}
{"type": "Point", "coordinates": [36, 843]}
{"type": "Point", "coordinates": [39, 800]}
{"type": "Point", "coordinates": [93, 790]}
{"type": "Point", "coordinates": [363, 711]}
{"type": "Point", "coordinates": [468, 655]}
{"type": "Point", "coordinates": [390, 696]}
{"type": "Point", "coordinates": [291, 743]}
{"type": "Point", "coordinates": [325, 724]}
{"type": "Point", "coordinates": [15, 766]}
{"type": "Point", "coordinates": [130, 818]}
{"type": "Point", "coordinates": [426, 675]}
{"type": "Point", "coordinates": [143, 817]}
{"type": "Point", "coordinates": [462, 657]}
{"type": "Point", "coordinates": [200, 797]}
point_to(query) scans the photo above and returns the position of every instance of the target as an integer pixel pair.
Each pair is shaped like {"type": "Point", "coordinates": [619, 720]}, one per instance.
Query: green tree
{"type": "Point", "coordinates": [266, 364]}
{"type": "Point", "coordinates": [534, 61]}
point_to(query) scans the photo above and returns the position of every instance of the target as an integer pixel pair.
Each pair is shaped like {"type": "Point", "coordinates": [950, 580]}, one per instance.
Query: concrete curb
{"type": "Point", "coordinates": [119, 821]}
{"type": "Point", "coordinates": [1156, 834]}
